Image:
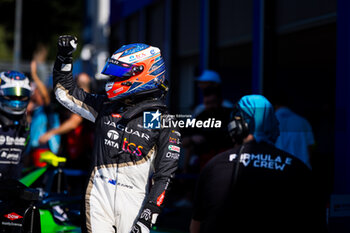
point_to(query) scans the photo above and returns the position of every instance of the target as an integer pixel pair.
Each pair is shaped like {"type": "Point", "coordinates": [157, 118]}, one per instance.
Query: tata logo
{"type": "Point", "coordinates": [12, 216]}
{"type": "Point", "coordinates": [111, 143]}
{"type": "Point", "coordinates": [112, 134]}
{"type": "Point", "coordinates": [151, 120]}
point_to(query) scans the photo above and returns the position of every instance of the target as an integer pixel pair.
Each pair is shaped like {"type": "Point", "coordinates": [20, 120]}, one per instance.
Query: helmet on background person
{"type": "Point", "coordinates": [135, 70]}
{"type": "Point", "coordinates": [15, 92]}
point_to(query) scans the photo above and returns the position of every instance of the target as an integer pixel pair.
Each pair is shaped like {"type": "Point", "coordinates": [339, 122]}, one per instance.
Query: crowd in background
{"type": "Point", "coordinates": [53, 127]}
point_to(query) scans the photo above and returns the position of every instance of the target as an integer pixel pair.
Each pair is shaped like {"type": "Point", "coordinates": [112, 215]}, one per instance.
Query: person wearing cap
{"type": "Point", "coordinates": [209, 78]}
{"type": "Point", "coordinates": [204, 143]}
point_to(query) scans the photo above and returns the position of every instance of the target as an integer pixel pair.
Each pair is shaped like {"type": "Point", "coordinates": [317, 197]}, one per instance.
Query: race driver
{"type": "Point", "coordinates": [126, 152]}
{"type": "Point", "coordinates": [15, 92]}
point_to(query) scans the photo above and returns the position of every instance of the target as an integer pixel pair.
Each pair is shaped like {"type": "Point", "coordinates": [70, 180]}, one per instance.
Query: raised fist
{"type": "Point", "coordinates": [66, 45]}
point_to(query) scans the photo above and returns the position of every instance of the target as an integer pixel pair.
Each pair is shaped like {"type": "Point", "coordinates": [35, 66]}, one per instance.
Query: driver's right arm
{"type": "Point", "coordinates": [67, 93]}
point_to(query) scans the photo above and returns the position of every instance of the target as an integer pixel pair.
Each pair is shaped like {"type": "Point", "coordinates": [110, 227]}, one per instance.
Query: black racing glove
{"type": "Point", "coordinates": [147, 218]}
{"type": "Point", "coordinates": [66, 45]}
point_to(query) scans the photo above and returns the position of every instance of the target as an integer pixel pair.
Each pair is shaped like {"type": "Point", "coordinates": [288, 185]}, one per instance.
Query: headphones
{"type": "Point", "coordinates": [238, 128]}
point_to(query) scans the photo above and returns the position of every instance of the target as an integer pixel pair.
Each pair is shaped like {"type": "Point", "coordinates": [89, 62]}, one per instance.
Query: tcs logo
{"type": "Point", "coordinates": [132, 148]}
{"type": "Point", "coordinates": [137, 56]}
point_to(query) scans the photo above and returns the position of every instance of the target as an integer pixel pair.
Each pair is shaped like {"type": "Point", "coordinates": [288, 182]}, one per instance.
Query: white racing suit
{"type": "Point", "coordinates": [127, 158]}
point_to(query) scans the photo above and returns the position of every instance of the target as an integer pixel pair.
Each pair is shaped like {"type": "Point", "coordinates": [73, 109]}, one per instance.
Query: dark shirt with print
{"type": "Point", "coordinates": [273, 192]}
{"type": "Point", "coordinates": [13, 141]}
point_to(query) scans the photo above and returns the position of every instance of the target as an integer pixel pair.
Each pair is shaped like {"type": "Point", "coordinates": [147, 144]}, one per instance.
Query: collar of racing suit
{"type": "Point", "coordinates": [134, 110]}
{"type": "Point", "coordinates": [131, 112]}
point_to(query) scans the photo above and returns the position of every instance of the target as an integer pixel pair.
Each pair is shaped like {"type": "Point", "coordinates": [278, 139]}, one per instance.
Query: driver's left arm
{"type": "Point", "coordinates": [165, 166]}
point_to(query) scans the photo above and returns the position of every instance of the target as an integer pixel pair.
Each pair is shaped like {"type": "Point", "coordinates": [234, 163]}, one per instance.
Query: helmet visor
{"type": "Point", "coordinates": [117, 68]}
{"type": "Point", "coordinates": [16, 91]}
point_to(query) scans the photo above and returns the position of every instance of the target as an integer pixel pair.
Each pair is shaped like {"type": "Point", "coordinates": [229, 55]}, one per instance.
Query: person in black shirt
{"type": "Point", "coordinates": [254, 187]}
{"type": "Point", "coordinates": [15, 92]}
{"type": "Point", "coordinates": [208, 142]}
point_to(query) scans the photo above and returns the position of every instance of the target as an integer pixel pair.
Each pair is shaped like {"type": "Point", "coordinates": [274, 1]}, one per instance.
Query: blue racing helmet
{"type": "Point", "coordinates": [15, 92]}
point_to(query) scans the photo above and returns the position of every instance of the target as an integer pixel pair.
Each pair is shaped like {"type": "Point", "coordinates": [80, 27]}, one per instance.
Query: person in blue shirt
{"type": "Point", "coordinates": [296, 136]}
